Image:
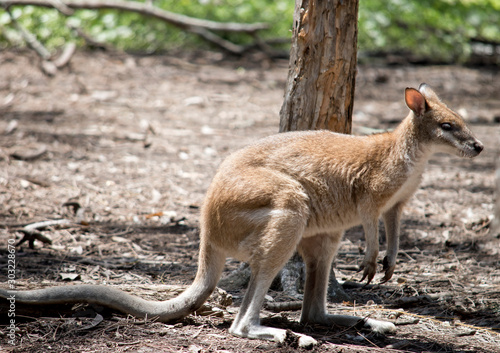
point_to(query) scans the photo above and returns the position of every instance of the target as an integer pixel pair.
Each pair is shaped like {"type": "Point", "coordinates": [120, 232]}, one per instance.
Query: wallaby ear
{"type": "Point", "coordinates": [415, 101]}
{"type": "Point", "coordinates": [428, 92]}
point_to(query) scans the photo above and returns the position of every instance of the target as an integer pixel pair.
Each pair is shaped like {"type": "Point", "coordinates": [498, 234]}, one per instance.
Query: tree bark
{"type": "Point", "coordinates": [321, 79]}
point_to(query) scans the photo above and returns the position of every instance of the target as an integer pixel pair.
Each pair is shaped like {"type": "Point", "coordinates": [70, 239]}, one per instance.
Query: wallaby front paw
{"type": "Point", "coordinates": [389, 267]}
{"type": "Point", "coordinates": [369, 269]}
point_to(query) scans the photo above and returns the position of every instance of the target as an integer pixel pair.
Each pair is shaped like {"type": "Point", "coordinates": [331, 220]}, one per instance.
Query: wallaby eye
{"type": "Point", "coordinates": [446, 126]}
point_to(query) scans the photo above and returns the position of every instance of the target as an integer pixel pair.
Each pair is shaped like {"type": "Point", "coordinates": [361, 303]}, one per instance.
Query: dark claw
{"type": "Point", "coordinates": [385, 263]}
{"type": "Point", "coordinates": [363, 278]}
{"type": "Point", "coordinates": [361, 268]}
{"type": "Point", "coordinates": [385, 279]}
{"type": "Point", "coordinates": [367, 282]}
{"type": "Point", "coordinates": [365, 275]}
{"type": "Point", "coordinates": [370, 278]}
{"type": "Point", "coordinates": [389, 270]}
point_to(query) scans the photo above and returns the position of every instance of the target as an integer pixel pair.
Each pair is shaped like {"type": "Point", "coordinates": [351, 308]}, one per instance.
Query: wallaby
{"type": "Point", "coordinates": [299, 191]}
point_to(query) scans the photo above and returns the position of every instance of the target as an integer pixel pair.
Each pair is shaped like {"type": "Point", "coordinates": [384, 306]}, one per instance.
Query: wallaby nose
{"type": "Point", "coordinates": [478, 146]}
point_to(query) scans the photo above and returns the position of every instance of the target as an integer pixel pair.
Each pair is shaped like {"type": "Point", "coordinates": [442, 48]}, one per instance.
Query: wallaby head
{"type": "Point", "coordinates": [441, 128]}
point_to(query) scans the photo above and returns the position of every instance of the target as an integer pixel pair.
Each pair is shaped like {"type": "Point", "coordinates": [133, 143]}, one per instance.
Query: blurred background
{"type": "Point", "coordinates": [412, 31]}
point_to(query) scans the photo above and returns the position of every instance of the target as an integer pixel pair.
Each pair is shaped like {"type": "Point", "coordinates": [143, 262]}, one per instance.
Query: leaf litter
{"type": "Point", "coordinates": [128, 152]}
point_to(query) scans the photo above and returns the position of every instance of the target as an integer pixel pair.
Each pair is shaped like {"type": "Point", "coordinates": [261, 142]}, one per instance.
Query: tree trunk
{"type": "Point", "coordinates": [321, 79]}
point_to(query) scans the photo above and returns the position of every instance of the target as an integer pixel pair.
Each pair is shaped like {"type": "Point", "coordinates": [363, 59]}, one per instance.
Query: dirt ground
{"type": "Point", "coordinates": [124, 148]}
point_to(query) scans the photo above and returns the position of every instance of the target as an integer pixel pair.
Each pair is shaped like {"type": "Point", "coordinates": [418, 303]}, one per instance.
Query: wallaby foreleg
{"type": "Point", "coordinates": [369, 264]}
{"type": "Point", "coordinates": [392, 221]}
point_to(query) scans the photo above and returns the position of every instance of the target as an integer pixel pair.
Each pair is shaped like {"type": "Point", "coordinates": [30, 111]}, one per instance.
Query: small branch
{"type": "Point", "coordinates": [409, 301]}
{"type": "Point", "coordinates": [44, 224]}
{"type": "Point", "coordinates": [61, 7]}
{"type": "Point", "coordinates": [49, 68]}
{"type": "Point", "coordinates": [89, 40]}
{"type": "Point", "coordinates": [65, 56]}
{"type": "Point", "coordinates": [31, 236]}
{"type": "Point", "coordinates": [32, 231]}
{"type": "Point", "coordinates": [29, 156]}
{"type": "Point", "coordinates": [215, 39]}
{"type": "Point", "coordinates": [277, 307]}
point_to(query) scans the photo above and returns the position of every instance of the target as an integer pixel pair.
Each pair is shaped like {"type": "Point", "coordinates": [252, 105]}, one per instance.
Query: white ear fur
{"type": "Point", "coordinates": [415, 101]}
{"type": "Point", "coordinates": [428, 92]}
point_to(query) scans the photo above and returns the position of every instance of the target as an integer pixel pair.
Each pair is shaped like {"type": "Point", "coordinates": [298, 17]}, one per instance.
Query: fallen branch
{"type": "Point", "coordinates": [29, 155]}
{"type": "Point", "coordinates": [425, 298]}
{"type": "Point", "coordinates": [65, 56]}
{"type": "Point", "coordinates": [217, 40]}
{"type": "Point", "coordinates": [278, 307]}
{"type": "Point", "coordinates": [50, 67]}
{"type": "Point", "coordinates": [197, 26]}
{"type": "Point", "coordinates": [89, 40]}
{"type": "Point", "coordinates": [32, 231]}
{"type": "Point", "coordinates": [31, 235]}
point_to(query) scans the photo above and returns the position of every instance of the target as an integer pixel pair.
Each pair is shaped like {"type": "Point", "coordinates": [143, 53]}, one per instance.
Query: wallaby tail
{"type": "Point", "coordinates": [211, 264]}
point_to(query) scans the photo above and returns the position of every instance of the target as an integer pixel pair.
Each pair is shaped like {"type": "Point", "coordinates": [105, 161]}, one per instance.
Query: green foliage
{"type": "Point", "coordinates": [437, 29]}
{"type": "Point", "coordinates": [130, 31]}
{"type": "Point", "coordinates": [47, 24]}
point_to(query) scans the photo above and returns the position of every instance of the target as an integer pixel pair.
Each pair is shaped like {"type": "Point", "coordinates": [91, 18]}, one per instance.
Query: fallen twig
{"type": "Point", "coordinates": [39, 182]}
{"type": "Point", "coordinates": [89, 40]}
{"type": "Point", "coordinates": [31, 231]}
{"type": "Point", "coordinates": [277, 307]}
{"type": "Point", "coordinates": [45, 224]}
{"type": "Point", "coordinates": [65, 56]}
{"type": "Point", "coordinates": [424, 298]}
{"type": "Point", "coordinates": [31, 236]}
{"type": "Point", "coordinates": [29, 156]}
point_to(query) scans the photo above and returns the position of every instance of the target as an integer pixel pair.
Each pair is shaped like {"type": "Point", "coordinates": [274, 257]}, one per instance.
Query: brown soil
{"type": "Point", "coordinates": [133, 143]}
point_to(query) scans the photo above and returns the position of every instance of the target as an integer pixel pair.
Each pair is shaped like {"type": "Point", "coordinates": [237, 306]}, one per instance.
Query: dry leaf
{"type": "Point", "coordinates": [69, 276]}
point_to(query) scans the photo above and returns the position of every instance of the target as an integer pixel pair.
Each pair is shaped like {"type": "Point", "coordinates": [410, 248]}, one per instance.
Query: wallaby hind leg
{"type": "Point", "coordinates": [318, 253]}
{"type": "Point", "coordinates": [265, 265]}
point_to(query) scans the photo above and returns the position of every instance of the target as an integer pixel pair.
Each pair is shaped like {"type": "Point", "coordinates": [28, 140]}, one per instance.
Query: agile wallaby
{"type": "Point", "coordinates": [300, 190]}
